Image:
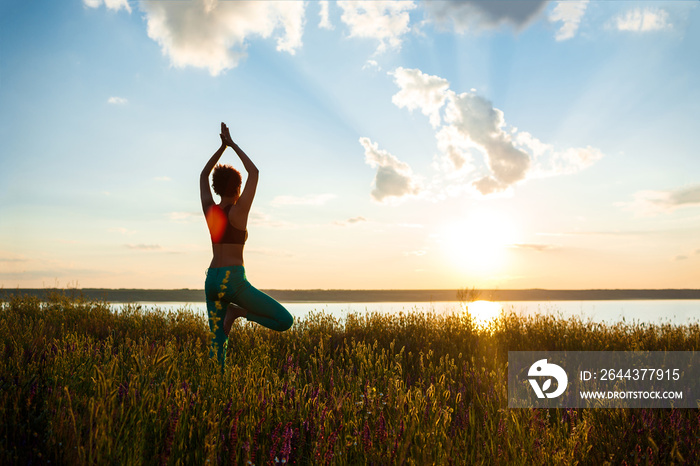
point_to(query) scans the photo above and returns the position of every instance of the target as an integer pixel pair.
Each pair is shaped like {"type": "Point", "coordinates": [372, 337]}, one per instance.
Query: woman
{"type": "Point", "coordinates": [229, 295]}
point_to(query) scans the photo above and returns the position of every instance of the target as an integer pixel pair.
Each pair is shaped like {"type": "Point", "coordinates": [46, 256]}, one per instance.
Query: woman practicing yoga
{"type": "Point", "coordinates": [229, 295]}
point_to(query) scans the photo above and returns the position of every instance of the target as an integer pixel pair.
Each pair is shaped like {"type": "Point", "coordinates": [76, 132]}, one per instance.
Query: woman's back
{"type": "Point", "coordinates": [228, 239]}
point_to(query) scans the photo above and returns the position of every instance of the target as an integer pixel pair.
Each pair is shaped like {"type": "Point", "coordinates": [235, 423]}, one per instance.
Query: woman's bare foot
{"type": "Point", "coordinates": [233, 312]}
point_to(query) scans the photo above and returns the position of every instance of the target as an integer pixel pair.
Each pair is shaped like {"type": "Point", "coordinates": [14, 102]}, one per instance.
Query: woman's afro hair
{"type": "Point", "coordinates": [226, 180]}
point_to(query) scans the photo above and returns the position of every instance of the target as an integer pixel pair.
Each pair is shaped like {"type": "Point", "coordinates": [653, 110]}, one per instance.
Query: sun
{"type": "Point", "coordinates": [478, 243]}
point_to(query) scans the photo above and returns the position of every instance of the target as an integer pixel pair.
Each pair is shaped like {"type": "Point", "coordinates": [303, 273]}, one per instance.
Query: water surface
{"type": "Point", "coordinates": [674, 311]}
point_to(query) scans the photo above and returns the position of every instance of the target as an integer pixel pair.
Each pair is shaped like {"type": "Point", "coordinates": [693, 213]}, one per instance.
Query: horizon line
{"type": "Point", "coordinates": [377, 295]}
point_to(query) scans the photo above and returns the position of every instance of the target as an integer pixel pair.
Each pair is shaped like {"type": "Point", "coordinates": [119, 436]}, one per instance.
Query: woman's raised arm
{"type": "Point", "coordinates": [246, 200]}
{"type": "Point", "coordinates": [204, 189]}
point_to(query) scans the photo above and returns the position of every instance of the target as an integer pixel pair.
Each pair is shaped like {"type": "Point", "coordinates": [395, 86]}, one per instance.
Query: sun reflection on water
{"type": "Point", "coordinates": [484, 312]}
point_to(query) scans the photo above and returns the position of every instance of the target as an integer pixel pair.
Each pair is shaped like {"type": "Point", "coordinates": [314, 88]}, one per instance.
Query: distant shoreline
{"type": "Point", "coordinates": [364, 296]}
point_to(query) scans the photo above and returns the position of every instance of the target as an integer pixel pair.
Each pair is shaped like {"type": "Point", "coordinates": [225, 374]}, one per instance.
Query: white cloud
{"type": "Point", "coordinates": [455, 147]}
{"type": "Point", "coordinates": [550, 162]}
{"type": "Point", "coordinates": [350, 221]}
{"type": "Point", "coordinates": [121, 230]}
{"type": "Point", "coordinates": [489, 185]}
{"type": "Point", "coordinates": [645, 20]}
{"type": "Point", "coordinates": [475, 118]}
{"type": "Point", "coordinates": [185, 216]}
{"type": "Point", "coordinates": [117, 101]}
{"type": "Point", "coordinates": [649, 203]}
{"type": "Point", "coordinates": [419, 90]}
{"type": "Point", "coordinates": [428, 93]}
{"type": "Point", "coordinates": [310, 199]}
{"type": "Point", "coordinates": [144, 247]}
{"type": "Point", "coordinates": [213, 34]}
{"type": "Point", "coordinates": [13, 259]}
{"type": "Point", "coordinates": [467, 127]}
{"type": "Point", "coordinates": [385, 21]}
{"type": "Point", "coordinates": [471, 14]}
{"type": "Point", "coordinates": [371, 64]}
{"type": "Point", "coordinates": [575, 159]}
{"type": "Point", "coordinates": [324, 21]}
{"type": "Point", "coordinates": [261, 219]}
{"type": "Point", "coordinates": [115, 5]}
{"type": "Point", "coordinates": [537, 247]}
{"type": "Point", "coordinates": [394, 179]}
{"type": "Point", "coordinates": [569, 13]}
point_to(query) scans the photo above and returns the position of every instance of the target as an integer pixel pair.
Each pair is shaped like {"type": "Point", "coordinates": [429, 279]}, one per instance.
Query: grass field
{"type": "Point", "coordinates": [80, 384]}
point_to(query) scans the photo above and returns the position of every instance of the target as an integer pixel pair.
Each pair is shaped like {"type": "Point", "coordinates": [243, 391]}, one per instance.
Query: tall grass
{"type": "Point", "coordinates": [80, 384]}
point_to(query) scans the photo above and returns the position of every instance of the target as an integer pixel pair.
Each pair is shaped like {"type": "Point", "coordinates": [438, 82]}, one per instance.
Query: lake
{"type": "Point", "coordinates": [675, 311]}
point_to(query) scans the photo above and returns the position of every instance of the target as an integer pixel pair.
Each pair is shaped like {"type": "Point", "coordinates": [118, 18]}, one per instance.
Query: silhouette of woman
{"type": "Point", "coordinates": [229, 295]}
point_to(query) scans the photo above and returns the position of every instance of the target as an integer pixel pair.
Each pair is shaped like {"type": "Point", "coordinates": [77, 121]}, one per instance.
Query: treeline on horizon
{"type": "Point", "coordinates": [128, 295]}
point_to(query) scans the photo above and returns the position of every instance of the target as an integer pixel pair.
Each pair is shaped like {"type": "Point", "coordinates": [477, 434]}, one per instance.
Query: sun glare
{"type": "Point", "coordinates": [479, 243]}
{"type": "Point", "coordinates": [483, 312]}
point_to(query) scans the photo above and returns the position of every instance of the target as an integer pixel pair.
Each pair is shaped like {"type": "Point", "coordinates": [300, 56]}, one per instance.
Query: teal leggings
{"type": "Point", "coordinates": [226, 285]}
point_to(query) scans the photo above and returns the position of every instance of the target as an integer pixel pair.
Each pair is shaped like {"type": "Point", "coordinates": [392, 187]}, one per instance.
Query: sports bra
{"type": "Point", "coordinates": [221, 230]}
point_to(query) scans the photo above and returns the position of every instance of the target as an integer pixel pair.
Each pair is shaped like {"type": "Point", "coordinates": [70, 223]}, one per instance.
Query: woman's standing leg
{"type": "Point", "coordinates": [215, 290]}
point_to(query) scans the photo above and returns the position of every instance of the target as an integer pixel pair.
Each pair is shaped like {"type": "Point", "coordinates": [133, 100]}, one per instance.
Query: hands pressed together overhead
{"type": "Point", "coordinates": [226, 136]}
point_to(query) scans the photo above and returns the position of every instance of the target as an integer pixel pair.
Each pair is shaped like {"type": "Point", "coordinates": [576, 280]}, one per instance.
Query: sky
{"type": "Point", "coordinates": [401, 144]}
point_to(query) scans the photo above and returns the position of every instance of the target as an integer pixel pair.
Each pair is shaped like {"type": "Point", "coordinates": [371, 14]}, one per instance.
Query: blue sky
{"type": "Point", "coordinates": [400, 144]}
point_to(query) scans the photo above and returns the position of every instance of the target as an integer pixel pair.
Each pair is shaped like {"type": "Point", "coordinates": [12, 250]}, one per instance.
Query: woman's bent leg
{"type": "Point", "coordinates": [263, 309]}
